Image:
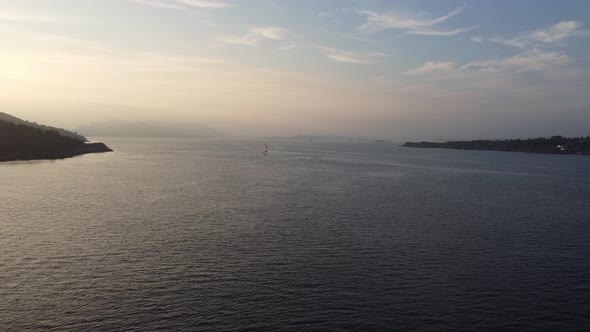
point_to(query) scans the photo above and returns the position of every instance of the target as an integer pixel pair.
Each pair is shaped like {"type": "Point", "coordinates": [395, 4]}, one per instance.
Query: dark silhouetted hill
{"type": "Point", "coordinates": [554, 144]}
{"type": "Point", "coordinates": [149, 130]}
{"type": "Point", "coordinates": [9, 118]}
{"type": "Point", "coordinates": [23, 142]}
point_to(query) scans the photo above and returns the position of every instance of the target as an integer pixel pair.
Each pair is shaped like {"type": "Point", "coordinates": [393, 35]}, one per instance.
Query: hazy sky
{"type": "Point", "coordinates": [439, 69]}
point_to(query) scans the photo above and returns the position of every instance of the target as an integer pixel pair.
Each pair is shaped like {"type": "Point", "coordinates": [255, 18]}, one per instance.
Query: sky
{"type": "Point", "coordinates": [402, 70]}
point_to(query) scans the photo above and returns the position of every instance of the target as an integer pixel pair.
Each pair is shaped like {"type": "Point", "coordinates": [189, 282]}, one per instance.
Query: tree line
{"type": "Point", "coordinates": [21, 142]}
{"type": "Point", "coordinates": [554, 144]}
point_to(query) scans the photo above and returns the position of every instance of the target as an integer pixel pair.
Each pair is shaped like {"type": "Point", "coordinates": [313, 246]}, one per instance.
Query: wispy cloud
{"type": "Point", "coordinates": [478, 40]}
{"type": "Point", "coordinates": [545, 36]}
{"type": "Point", "coordinates": [531, 75]}
{"type": "Point", "coordinates": [40, 18]}
{"type": "Point", "coordinates": [410, 22]}
{"type": "Point", "coordinates": [350, 57]}
{"type": "Point", "coordinates": [429, 32]}
{"type": "Point", "coordinates": [524, 71]}
{"type": "Point", "coordinates": [270, 32]}
{"type": "Point", "coordinates": [255, 36]}
{"type": "Point", "coordinates": [534, 60]}
{"type": "Point", "coordinates": [432, 67]}
{"type": "Point", "coordinates": [186, 4]}
{"type": "Point", "coordinates": [349, 36]}
{"type": "Point", "coordinates": [246, 40]}
{"type": "Point", "coordinates": [288, 47]}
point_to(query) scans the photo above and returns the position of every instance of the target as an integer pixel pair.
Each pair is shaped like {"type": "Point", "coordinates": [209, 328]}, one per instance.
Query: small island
{"type": "Point", "coordinates": [21, 140]}
{"type": "Point", "coordinates": [553, 145]}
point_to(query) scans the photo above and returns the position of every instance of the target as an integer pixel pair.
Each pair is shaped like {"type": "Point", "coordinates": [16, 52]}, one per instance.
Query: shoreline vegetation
{"type": "Point", "coordinates": [20, 140]}
{"type": "Point", "coordinates": [9, 118]}
{"type": "Point", "coordinates": [552, 145]}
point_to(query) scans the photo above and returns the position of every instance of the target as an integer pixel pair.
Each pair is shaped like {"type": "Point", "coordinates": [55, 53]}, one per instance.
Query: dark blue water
{"type": "Point", "coordinates": [194, 235]}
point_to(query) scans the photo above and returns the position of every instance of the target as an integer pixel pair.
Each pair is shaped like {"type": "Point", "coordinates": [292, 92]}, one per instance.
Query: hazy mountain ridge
{"type": "Point", "coordinates": [325, 138]}
{"type": "Point", "coordinates": [63, 132]}
{"type": "Point", "coordinates": [149, 130]}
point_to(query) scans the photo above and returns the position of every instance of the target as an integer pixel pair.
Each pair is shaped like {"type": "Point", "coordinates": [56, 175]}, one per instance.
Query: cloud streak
{"type": "Point", "coordinates": [428, 32]}
{"type": "Point", "coordinates": [350, 57]}
{"type": "Point", "coordinates": [185, 4]}
{"type": "Point", "coordinates": [431, 67]}
{"type": "Point", "coordinates": [411, 23]}
{"type": "Point", "coordinates": [255, 36]}
{"type": "Point", "coordinates": [524, 71]}
{"type": "Point", "coordinates": [535, 61]}
{"type": "Point", "coordinates": [40, 18]}
{"type": "Point", "coordinates": [270, 32]}
{"type": "Point", "coordinates": [545, 36]}
{"type": "Point", "coordinates": [349, 36]}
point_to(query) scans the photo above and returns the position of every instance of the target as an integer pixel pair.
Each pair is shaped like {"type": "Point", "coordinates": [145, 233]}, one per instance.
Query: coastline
{"type": "Point", "coordinates": [87, 148]}
{"type": "Point", "coordinates": [553, 145]}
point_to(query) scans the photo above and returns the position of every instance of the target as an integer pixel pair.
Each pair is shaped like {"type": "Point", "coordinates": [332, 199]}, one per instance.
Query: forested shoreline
{"type": "Point", "coordinates": [554, 145]}
{"type": "Point", "coordinates": [22, 142]}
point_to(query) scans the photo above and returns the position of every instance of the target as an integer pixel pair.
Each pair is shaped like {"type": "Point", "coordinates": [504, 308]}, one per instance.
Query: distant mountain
{"type": "Point", "coordinates": [326, 138]}
{"type": "Point", "coordinates": [13, 119]}
{"type": "Point", "coordinates": [20, 141]}
{"type": "Point", "coordinates": [149, 130]}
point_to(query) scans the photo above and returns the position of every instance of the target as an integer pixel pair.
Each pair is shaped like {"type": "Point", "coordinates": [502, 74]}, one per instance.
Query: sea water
{"type": "Point", "coordinates": [210, 234]}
